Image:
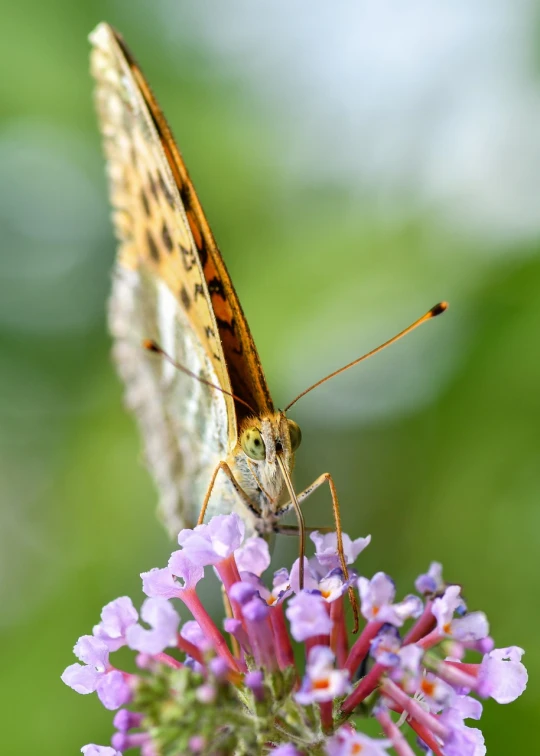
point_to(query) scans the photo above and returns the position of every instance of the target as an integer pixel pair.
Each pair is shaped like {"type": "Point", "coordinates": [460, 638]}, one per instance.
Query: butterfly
{"type": "Point", "coordinates": [213, 439]}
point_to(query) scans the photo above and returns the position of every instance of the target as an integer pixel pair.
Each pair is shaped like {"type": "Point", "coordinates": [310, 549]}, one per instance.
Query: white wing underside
{"type": "Point", "coordinates": [183, 422]}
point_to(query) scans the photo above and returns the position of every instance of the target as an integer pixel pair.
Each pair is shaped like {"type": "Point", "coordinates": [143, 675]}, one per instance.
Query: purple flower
{"type": "Point", "coordinates": [92, 651]}
{"type": "Point", "coordinates": [83, 679]}
{"type": "Point", "coordinates": [504, 674]}
{"type": "Point", "coordinates": [470, 627]}
{"type": "Point", "coordinates": [254, 608]}
{"type": "Point", "coordinates": [96, 674]}
{"type": "Point", "coordinates": [193, 633]}
{"type": "Point", "coordinates": [255, 681]}
{"type": "Point", "coordinates": [386, 645]}
{"type": "Point", "coordinates": [376, 596]}
{"type": "Point", "coordinates": [326, 549]}
{"type": "Point", "coordinates": [116, 618]}
{"type": "Point", "coordinates": [281, 588]}
{"type": "Point", "coordinates": [159, 582]}
{"type": "Point", "coordinates": [322, 682]}
{"type": "Point", "coordinates": [113, 691]}
{"type": "Point", "coordinates": [211, 543]}
{"type": "Point", "coordinates": [235, 628]}
{"type": "Point", "coordinates": [219, 668]}
{"type": "Point", "coordinates": [462, 740]}
{"type": "Point", "coordinates": [242, 592]}
{"type": "Point", "coordinates": [164, 621]}
{"type": "Point", "coordinates": [436, 694]}
{"type": "Point", "coordinates": [430, 582]}
{"type": "Point", "coordinates": [330, 584]}
{"type": "Point", "coordinates": [253, 556]}
{"type": "Point", "coordinates": [125, 720]}
{"type": "Point", "coordinates": [308, 616]}
{"type": "Point", "coordinates": [410, 674]}
{"type": "Point", "coordinates": [408, 669]}
{"type": "Point", "coordinates": [348, 742]}
{"type": "Point", "coordinates": [163, 582]}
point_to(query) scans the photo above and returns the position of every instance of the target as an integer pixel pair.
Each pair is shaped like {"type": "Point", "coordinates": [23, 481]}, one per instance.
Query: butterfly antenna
{"type": "Point", "coordinates": [152, 346]}
{"type": "Point", "coordinates": [437, 310]}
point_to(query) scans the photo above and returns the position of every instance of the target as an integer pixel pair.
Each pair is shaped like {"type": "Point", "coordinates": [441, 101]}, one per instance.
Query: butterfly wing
{"type": "Point", "coordinates": [170, 285]}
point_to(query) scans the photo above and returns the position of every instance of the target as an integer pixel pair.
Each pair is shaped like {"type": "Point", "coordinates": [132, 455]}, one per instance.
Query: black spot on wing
{"type": "Point", "coordinates": [185, 196]}
{"type": "Point", "coordinates": [188, 258]}
{"type": "Point", "coordinates": [153, 186]}
{"type": "Point", "coordinates": [199, 291]}
{"type": "Point", "coordinates": [152, 248]}
{"type": "Point", "coordinates": [215, 287]}
{"type": "Point", "coordinates": [226, 325]}
{"type": "Point", "coordinates": [165, 191]}
{"type": "Point", "coordinates": [203, 252]}
{"type": "Point", "coordinates": [230, 327]}
{"type": "Point", "coordinates": [209, 331]}
{"type": "Point", "coordinates": [145, 203]}
{"type": "Point", "coordinates": [184, 297]}
{"type": "Point", "coordinates": [166, 236]}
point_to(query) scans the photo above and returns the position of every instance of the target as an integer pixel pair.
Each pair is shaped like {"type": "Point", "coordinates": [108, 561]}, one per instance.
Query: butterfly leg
{"type": "Point", "coordinates": [327, 478]}
{"type": "Point", "coordinates": [240, 491]}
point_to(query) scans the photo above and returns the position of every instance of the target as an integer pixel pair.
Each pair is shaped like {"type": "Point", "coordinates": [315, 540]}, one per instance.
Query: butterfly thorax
{"type": "Point", "coordinates": [255, 467]}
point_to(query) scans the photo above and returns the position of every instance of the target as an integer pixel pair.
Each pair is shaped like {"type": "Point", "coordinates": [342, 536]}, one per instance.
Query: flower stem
{"type": "Point", "coordinates": [361, 647]}
{"type": "Point", "coordinates": [413, 708]}
{"type": "Point", "coordinates": [425, 624]}
{"type": "Point", "coordinates": [392, 731]}
{"type": "Point", "coordinates": [194, 604]}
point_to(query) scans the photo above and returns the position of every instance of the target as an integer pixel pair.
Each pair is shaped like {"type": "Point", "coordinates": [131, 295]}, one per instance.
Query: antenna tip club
{"type": "Point", "coordinates": [438, 309]}
{"type": "Point", "coordinates": [151, 346]}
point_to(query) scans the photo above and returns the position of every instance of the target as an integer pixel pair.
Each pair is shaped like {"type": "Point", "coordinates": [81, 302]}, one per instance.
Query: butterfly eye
{"type": "Point", "coordinates": [252, 443]}
{"type": "Point", "coordinates": [295, 434]}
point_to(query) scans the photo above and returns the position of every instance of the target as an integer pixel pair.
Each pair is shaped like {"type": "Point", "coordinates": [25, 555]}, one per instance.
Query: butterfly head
{"type": "Point", "coordinates": [263, 438]}
{"type": "Point", "coordinates": [267, 448]}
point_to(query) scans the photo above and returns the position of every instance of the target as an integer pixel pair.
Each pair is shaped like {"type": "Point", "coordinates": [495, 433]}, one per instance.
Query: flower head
{"type": "Point", "coordinates": [376, 597]}
{"type": "Point", "coordinates": [348, 742]}
{"type": "Point", "coordinates": [195, 680]}
{"type": "Point", "coordinates": [504, 674]}
{"type": "Point", "coordinates": [211, 543]}
{"type": "Point", "coordinates": [326, 548]}
{"type": "Point", "coordinates": [164, 621]}
{"type": "Point", "coordinates": [116, 618]}
{"type": "Point", "coordinates": [308, 616]}
{"type": "Point", "coordinates": [322, 682]}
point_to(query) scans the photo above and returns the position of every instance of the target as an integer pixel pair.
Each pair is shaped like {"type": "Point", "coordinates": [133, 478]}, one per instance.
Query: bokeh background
{"type": "Point", "coordinates": [358, 161]}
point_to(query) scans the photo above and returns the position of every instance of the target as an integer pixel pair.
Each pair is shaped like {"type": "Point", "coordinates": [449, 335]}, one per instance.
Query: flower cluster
{"type": "Point", "coordinates": [247, 688]}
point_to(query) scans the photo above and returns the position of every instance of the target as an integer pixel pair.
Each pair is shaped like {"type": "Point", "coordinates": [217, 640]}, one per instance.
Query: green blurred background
{"type": "Point", "coordinates": [358, 162]}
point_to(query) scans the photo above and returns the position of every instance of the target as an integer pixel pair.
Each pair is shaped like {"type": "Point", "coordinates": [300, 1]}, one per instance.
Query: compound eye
{"type": "Point", "coordinates": [295, 434]}
{"type": "Point", "coordinates": [253, 444]}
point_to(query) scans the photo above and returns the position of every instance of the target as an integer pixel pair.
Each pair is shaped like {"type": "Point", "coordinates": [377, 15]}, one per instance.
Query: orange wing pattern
{"type": "Point", "coordinates": [242, 362]}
